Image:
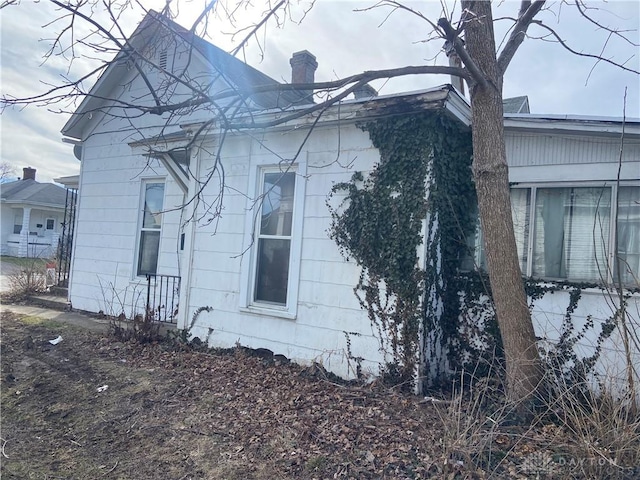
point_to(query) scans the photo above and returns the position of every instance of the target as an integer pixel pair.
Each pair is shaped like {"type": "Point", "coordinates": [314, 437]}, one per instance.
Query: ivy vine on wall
{"type": "Point", "coordinates": [422, 190]}
{"type": "Point", "coordinates": [423, 174]}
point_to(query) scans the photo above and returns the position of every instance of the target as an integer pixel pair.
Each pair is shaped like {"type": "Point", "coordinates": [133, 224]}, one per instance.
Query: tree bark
{"type": "Point", "coordinates": [491, 175]}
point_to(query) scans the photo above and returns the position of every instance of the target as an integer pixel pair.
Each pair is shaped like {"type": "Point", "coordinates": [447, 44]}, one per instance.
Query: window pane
{"type": "Point", "coordinates": [628, 257]}
{"type": "Point", "coordinates": [277, 206]}
{"type": "Point", "coordinates": [153, 198]}
{"type": "Point", "coordinates": [148, 256]}
{"type": "Point", "coordinates": [572, 233]}
{"type": "Point", "coordinates": [50, 223]}
{"type": "Point", "coordinates": [520, 203]}
{"type": "Point", "coordinates": [272, 273]}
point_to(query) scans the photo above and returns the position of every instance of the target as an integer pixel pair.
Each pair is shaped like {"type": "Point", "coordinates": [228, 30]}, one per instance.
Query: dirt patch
{"type": "Point", "coordinates": [171, 413]}
{"type": "Point", "coordinates": [92, 407]}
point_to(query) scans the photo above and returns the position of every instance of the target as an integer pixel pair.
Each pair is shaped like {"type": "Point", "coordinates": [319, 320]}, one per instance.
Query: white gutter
{"type": "Point", "coordinates": [573, 124]}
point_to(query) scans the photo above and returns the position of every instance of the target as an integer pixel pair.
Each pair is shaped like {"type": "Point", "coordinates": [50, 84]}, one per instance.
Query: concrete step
{"type": "Point", "coordinates": [54, 302]}
{"type": "Point", "coordinates": [60, 304]}
{"type": "Point", "coordinates": [59, 291]}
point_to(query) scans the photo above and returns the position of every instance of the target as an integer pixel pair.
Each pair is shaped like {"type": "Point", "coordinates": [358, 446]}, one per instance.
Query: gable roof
{"type": "Point", "coordinates": [31, 192]}
{"type": "Point", "coordinates": [516, 104]}
{"type": "Point", "coordinates": [233, 71]}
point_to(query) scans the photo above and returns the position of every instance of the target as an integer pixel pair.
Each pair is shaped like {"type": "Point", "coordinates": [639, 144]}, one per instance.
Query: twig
{"type": "Point", "coordinates": [620, 285]}
{"type": "Point", "coordinates": [112, 469]}
{"type": "Point", "coordinates": [4, 442]}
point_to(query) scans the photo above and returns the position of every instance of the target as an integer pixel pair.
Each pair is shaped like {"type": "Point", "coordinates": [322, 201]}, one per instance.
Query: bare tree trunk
{"type": "Point", "coordinates": [492, 185]}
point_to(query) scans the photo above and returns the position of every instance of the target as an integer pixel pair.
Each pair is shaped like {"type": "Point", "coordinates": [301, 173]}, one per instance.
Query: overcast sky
{"type": "Point", "coordinates": [345, 42]}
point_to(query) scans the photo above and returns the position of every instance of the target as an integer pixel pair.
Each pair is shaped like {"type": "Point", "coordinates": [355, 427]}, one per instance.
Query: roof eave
{"type": "Point", "coordinates": [34, 204]}
{"type": "Point", "coordinates": [441, 98]}
{"type": "Point", "coordinates": [573, 125]}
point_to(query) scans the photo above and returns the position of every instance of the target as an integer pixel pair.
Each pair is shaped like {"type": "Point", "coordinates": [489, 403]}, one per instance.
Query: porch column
{"type": "Point", "coordinates": [23, 247]}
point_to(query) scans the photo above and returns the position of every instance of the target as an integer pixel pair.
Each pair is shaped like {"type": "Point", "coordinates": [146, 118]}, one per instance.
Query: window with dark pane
{"type": "Point", "coordinates": [151, 227]}
{"type": "Point", "coordinates": [274, 238]}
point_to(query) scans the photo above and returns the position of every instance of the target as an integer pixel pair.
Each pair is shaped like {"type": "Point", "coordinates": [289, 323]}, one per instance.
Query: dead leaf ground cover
{"type": "Point", "coordinates": [173, 413]}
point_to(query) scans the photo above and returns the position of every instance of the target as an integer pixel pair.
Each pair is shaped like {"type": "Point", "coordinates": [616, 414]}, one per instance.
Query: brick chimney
{"type": "Point", "coordinates": [365, 91]}
{"type": "Point", "coordinates": [303, 70]}
{"type": "Point", "coordinates": [28, 173]}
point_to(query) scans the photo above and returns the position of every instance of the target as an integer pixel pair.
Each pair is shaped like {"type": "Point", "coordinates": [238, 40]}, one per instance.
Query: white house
{"type": "Point", "coordinates": [230, 223]}
{"type": "Point", "coordinates": [32, 214]}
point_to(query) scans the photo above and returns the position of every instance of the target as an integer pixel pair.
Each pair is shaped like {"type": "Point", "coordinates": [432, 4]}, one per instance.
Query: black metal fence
{"type": "Point", "coordinates": [163, 292]}
{"type": "Point", "coordinates": [65, 243]}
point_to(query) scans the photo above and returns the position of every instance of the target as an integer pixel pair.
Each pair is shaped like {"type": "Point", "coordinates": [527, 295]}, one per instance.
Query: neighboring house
{"type": "Point", "coordinates": [32, 214]}
{"type": "Point", "coordinates": [265, 274]}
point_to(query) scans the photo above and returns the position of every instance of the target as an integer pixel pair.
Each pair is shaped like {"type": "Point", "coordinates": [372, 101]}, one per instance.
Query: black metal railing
{"type": "Point", "coordinates": [65, 243]}
{"type": "Point", "coordinates": [163, 293]}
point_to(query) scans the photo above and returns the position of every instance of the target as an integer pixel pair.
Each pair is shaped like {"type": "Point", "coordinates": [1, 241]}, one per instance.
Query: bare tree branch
{"type": "Point", "coordinates": [6, 171]}
{"type": "Point", "coordinates": [124, 47]}
{"type": "Point", "coordinates": [582, 8]}
{"type": "Point", "coordinates": [401, 6]}
{"type": "Point", "coordinates": [257, 27]}
{"type": "Point", "coordinates": [582, 54]}
{"type": "Point", "coordinates": [527, 13]}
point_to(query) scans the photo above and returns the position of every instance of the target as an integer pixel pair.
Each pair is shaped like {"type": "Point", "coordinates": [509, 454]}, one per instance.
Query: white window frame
{"type": "Point", "coordinates": [247, 303]}
{"type": "Point", "coordinates": [142, 197]}
{"type": "Point", "coordinates": [46, 221]}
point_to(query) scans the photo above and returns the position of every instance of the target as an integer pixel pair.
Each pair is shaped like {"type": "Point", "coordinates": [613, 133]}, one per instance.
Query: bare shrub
{"type": "Point", "coordinates": [29, 278]}
{"type": "Point", "coordinates": [142, 329]}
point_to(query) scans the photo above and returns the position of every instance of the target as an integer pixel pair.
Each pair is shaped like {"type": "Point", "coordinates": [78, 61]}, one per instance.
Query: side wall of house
{"type": "Point", "coordinates": [327, 314]}
{"type": "Point", "coordinates": [108, 224]}
{"type": "Point", "coordinates": [561, 159]}
{"type": "Point", "coordinates": [111, 192]}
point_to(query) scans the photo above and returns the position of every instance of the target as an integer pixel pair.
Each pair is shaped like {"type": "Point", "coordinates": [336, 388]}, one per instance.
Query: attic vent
{"type": "Point", "coordinates": [162, 60]}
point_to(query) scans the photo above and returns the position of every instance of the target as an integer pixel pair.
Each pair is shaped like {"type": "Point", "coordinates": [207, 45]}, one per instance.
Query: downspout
{"type": "Point", "coordinates": [79, 151]}
{"type": "Point", "coordinates": [189, 231]}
